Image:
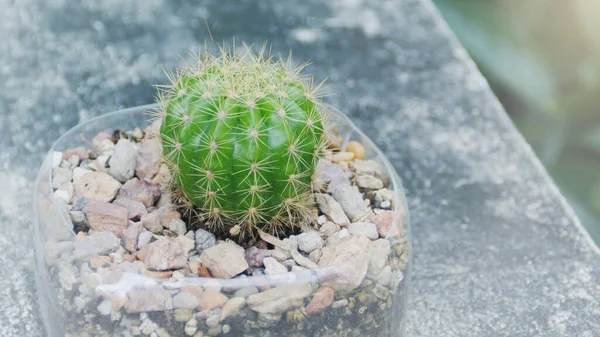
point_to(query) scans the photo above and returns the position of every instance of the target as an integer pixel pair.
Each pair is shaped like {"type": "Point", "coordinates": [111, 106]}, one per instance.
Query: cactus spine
{"type": "Point", "coordinates": [242, 134]}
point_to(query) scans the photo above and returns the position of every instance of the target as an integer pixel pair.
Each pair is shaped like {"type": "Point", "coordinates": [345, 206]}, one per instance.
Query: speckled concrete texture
{"type": "Point", "coordinates": [497, 252]}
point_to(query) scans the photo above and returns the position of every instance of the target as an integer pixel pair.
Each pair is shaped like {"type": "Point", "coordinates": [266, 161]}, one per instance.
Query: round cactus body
{"type": "Point", "coordinates": [241, 135]}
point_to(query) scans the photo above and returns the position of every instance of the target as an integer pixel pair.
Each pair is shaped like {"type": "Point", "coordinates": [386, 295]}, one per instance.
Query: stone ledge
{"type": "Point", "coordinates": [497, 249]}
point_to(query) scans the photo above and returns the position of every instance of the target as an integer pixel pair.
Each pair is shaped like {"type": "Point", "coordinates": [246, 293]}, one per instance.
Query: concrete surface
{"type": "Point", "coordinates": [497, 251]}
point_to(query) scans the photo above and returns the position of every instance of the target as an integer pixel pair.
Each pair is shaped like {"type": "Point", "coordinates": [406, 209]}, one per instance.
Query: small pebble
{"type": "Point", "coordinates": [329, 228]}
{"type": "Point", "coordinates": [144, 239]}
{"type": "Point", "coordinates": [107, 146]}
{"type": "Point", "coordinates": [190, 235]}
{"type": "Point", "coordinates": [246, 291]}
{"type": "Point", "coordinates": [366, 229]}
{"type": "Point", "coordinates": [178, 227]}
{"type": "Point", "coordinates": [204, 240]}
{"type": "Point", "coordinates": [368, 182]}
{"type": "Point", "coordinates": [232, 306]}
{"type": "Point", "coordinates": [215, 331]}
{"type": "Point", "coordinates": [342, 156]}
{"type": "Point", "coordinates": [183, 315]}
{"type": "Point", "coordinates": [61, 176]}
{"type": "Point", "coordinates": [63, 195]}
{"type": "Point", "coordinates": [78, 172]}
{"type": "Point", "coordinates": [56, 158]}
{"type": "Point", "coordinates": [235, 230]}
{"type": "Point", "coordinates": [105, 307]}
{"type": "Point", "coordinates": [272, 267]}
{"type": "Point", "coordinates": [315, 255]}
{"type": "Point", "coordinates": [339, 304]}
{"type": "Point", "coordinates": [191, 326]}
{"type": "Point", "coordinates": [357, 148]}
{"type": "Point", "coordinates": [309, 241]}
{"type": "Point", "coordinates": [137, 133]}
{"type": "Point", "coordinates": [212, 321]}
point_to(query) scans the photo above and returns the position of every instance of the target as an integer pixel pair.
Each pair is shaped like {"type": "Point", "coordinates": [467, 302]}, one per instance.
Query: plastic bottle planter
{"type": "Point", "coordinates": [103, 282]}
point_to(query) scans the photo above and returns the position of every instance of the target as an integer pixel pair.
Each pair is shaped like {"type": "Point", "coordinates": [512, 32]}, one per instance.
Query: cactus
{"type": "Point", "coordinates": [241, 135]}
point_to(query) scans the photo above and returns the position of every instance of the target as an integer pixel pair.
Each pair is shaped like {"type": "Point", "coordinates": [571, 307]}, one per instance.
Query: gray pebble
{"type": "Point", "coordinates": [122, 162]}
{"type": "Point", "coordinates": [329, 228]}
{"type": "Point", "coordinates": [144, 239]}
{"type": "Point", "coordinates": [330, 207]}
{"type": "Point", "coordinates": [97, 243]}
{"type": "Point", "coordinates": [61, 176]}
{"type": "Point", "coordinates": [79, 203]}
{"type": "Point", "coordinates": [368, 182]}
{"type": "Point", "coordinates": [309, 241]}
{"type": "Point", "coordinates": [315, 255]}
{"type": "Point", "coordinates": [246, 291]}
{"type": "Point", "coordinates": [78, 172]}
{"type": "Point", "coordinates": [80, 302]}
{"type": "Point", "coordinates": [70, 163]}
{"type": "Point", "coordinates": [178, 227]}
{"type": "Point", "coordinates": [204, 240]}
{"type": "Point", "coordinates": [351, 200]}
{"type": "Point", "coordinates": [56, 158]}
{"type": "Point", "coordinates": [190, 235]}
{"type": "Point", "coordinates": [105, 307]}
{"type": "Point", "coordinates": [183, 315]}
{"type": "Point", "coordinates": [215, 331]}
{"type": "Point", "coordinates": [185, 301]}
{"type": "Point", "coordinates": [79, 221]}
{"type": "Point", "coordinates": [366, 229]}
{"type": "Point", "coordinates": [212, 321]}
{"type": "Point", "coordinates": [339, 304]}
{"type": "Point", "coordinates": [273, 267]}
{"type": "Point", "coordinates": [191, 326]}
{"type": "Point", "coordinates": [226, 328]}
{"type": "Point", "coordinates": [289, 263]}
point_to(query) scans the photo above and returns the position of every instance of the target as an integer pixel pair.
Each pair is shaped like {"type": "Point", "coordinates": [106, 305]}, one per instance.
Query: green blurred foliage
{"type": "Point", "coordinates": [542, 59]}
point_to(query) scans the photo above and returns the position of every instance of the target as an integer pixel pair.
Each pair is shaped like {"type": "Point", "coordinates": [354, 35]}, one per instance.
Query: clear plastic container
{"type": "Point", "coordinates": [76, 300]}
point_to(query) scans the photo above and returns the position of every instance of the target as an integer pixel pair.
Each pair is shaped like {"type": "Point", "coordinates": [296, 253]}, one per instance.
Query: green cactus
{"type": "Point", "coordinates": [241, 135]}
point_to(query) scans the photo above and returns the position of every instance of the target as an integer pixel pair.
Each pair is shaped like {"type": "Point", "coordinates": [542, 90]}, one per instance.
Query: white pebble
{"type": "Point", "coordinates": [107, 146]}
{"type": "Point", "coordinates": [273, 267]}
{"type": "Point", "coordinates": [309, 241]}
{"type": "Point", "coordinates": [63, 195]}
{"type": "Point", "coordinates": [147, 327]}
{"type": "Point", "coordinates": [56, 158]}
{"type": "Point", "coordinates": [212, 321]}
{"type": "Point", "coordinates": [105, 307]}
{"type": "Point", "coordinates": [78, 172]}
{"type": "Point", "coordinates": [191, 326]}
{"type": "Point", "coordinates": [366, 229]}
{"type": "Point", "coordinates": [339, 304]}
{"type": "Point", "coordinates": [144, 239]}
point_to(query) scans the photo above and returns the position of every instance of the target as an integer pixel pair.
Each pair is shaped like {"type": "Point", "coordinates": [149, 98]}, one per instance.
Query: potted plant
{"type": "Point", "coordinates": [244, 207]}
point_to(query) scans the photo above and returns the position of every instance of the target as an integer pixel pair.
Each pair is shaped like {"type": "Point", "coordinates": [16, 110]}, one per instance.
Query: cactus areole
{"type": "Point", "coordinates": [241, 135]}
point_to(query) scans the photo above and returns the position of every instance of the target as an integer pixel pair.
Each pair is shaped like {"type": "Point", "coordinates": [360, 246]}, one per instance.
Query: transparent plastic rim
{"type": "Point", "coordinates": [291, 276]}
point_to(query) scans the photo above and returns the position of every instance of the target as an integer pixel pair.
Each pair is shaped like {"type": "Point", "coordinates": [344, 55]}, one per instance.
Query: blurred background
{"type": "Point", "coordinates": [542, 59]}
